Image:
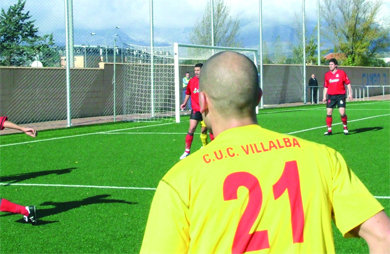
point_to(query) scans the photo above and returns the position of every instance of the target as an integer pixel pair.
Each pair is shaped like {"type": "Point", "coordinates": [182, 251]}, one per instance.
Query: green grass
{"type": "Point", "coordinates": [84, 219]}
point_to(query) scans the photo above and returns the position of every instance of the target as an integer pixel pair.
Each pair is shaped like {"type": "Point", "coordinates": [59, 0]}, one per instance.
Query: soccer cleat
{"type": "Point", "coordinates": [185, 154]}
{"type": "Point", "coordinates": [328, 133]}
{"type": "Point", "coordinates": [346, 132]}
{"type": "Point", "coordinates": [32, 215]}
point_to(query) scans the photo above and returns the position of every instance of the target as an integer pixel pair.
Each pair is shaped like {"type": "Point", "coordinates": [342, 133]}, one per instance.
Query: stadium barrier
{"type": "Point", "coordinates": [38, 95]}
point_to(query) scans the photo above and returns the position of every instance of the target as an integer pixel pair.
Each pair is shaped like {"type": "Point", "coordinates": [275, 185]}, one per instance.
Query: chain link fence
{"type": "Point", "coordinates": [111, 78]}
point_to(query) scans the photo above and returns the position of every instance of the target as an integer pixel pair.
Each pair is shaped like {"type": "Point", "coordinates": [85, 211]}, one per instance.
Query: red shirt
{"type": "Point", "coordinates": [335, 82]}
{"type": "Point", "coordinates": [193, 91]}
{"type": "Point", "coordinates": [2, 120]}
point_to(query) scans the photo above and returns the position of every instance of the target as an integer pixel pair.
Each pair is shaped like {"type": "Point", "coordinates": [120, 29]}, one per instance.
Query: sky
{"type": "Point", "coordinates": [173, 19]}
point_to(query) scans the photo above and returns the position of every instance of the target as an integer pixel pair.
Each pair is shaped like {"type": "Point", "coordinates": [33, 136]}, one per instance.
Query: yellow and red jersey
{"type": "Point", "coordinates": [253, 189]}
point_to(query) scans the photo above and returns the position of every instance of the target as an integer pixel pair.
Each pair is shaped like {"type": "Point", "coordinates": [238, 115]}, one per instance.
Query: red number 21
{"type": "Point", "coordinates": [243, 241]}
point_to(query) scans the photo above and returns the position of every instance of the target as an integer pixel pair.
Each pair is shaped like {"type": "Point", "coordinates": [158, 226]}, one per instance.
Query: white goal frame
{"type": "Point", "coordinates": [176, 56]}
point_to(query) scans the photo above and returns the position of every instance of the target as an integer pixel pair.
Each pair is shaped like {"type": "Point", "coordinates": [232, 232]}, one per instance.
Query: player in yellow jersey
{"type": "Point", "coordinates": [203, 135]}
{"type": "Point", "coordinates": [255, 190]}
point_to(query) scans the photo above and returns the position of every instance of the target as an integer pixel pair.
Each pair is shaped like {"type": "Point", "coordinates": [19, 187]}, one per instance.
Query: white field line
{"type": "Point", "coordinates": [290, 133]}
{"type": "Point", "coordinates": [103, 187]}
{"type": "Point", "coordinates": [378, 109]}
{"type": "Point", "coordinates": [140, 127]}
{"type": "Point", "coordinates": [82, 135]}
{"type": "Point", "coordinates": [356, 120]}
{"type": "Point", "coordinates": [322, 107]}
{"type": "Point", "coordinates": [147, 133]}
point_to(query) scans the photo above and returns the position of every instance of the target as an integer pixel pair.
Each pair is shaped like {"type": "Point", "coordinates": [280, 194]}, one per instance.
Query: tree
{"type": "Point", "coordinates": [280, 55]}
{"type": "Point", "coordinates": [20, 43]}
{"type": "Point", "coordinates": [354, 30]}
{"type": "Point", "coordinates": [311, 52]}
{"type": "Point", "coordinates": [225, 27]}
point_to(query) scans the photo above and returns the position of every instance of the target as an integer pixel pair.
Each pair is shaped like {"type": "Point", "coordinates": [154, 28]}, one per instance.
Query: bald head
{"type": "Point", "coordinates": [230, 80]}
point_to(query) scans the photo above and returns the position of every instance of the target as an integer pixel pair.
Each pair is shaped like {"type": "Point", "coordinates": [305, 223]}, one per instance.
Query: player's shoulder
{"type": "Point", "coordinates": [192, 80]}
{"type": "Point", "coordinates": [328, 73]}
{"type": "Point", "coordinates": [341, 71]}
{"type": "Point", "coordinates": [183, 168]}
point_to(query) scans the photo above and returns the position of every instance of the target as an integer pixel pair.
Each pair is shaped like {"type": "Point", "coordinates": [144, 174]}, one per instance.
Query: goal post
{"type": "Point", "coordinates": [145, 84]}
{"type": "Point", "coordinates": [187, 55]}
{"type": "Point", "coordinates": [139, 97]}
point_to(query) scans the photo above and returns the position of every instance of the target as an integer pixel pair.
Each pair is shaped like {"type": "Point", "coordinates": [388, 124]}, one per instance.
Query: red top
{"type": "Point", "coordinates": [335, 82]}
{"type": "Point", "coordinates": [193, 90]}
{"type": "Point", "coordinates": [2, 120]}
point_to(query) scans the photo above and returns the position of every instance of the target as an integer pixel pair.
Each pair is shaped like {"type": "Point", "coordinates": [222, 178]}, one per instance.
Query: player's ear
{"type": "Point", "coordinates": [203, 102]}
{"type": "Point", "coordinates": [260, 94]}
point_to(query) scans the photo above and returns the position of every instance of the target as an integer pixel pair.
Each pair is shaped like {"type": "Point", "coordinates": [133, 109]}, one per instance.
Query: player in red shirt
{"type": "Point", "coordinates": [196, 116]}
{"type": "Point", "coordinates": [28, 212]}
{"type": "Point", "coordinates": [334, 94]}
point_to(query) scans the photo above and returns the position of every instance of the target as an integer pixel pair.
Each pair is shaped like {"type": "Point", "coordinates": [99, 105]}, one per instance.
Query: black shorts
{"type": "Point", "coordinates": [196, 115]}
{"type": "Point", "coordinates": [337, 99]}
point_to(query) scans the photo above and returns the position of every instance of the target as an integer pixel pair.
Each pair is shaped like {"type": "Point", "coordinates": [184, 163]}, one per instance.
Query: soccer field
{"type": "Point", "coordinates": [93, 185]}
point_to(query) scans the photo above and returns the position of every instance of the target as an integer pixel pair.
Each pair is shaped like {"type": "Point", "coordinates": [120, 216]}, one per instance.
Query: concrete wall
{"type": "Point", "coordinates": [284, 83]}
{"type": "Point", "coordinates": [39, 94]}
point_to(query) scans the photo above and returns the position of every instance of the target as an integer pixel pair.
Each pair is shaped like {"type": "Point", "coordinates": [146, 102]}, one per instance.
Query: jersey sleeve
{"type": "Point", "coordinates": [326, 81]}
{"type": "Point", "coordinates": [346, 79]}
{"type": "Point", "coordinates": [2, 120]}
{"type": "Point", "coordinates": [167, 229]}
{"type": "Point", "coordinates": [188, 90]}
{"type": "Point", "coordinates": [353, 204]}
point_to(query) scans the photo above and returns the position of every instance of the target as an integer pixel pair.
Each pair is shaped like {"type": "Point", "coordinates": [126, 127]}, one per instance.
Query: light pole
{"type": "Point", "coordinates": [114, 75]}
{"type": "Point", "coordinates": [85, 55]}
{"type": "Point", "coordinates": [212, 22]}
{"type": "Point", "coordinates": [261, 49]}
{"type": "Point", "coordinates": [92, 34]}
{"type": "Point", "coordinates": [318, 33]}
{"type": "Point", "coordinates": [304, 50]}
{"type": "Point", "coordinates": [89, 44]}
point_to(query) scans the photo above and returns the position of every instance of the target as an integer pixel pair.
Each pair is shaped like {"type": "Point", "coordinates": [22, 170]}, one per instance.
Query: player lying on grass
{"type": "Point", "coordinates": [29, 212]}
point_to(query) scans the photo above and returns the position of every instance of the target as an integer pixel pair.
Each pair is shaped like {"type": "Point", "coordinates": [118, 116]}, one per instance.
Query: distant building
{"type": "Point", "coordinates": [78, 61]}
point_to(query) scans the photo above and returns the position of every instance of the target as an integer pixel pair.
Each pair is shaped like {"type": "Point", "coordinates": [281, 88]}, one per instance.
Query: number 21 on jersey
{"type": "Point", "coordinates": [258, 240]}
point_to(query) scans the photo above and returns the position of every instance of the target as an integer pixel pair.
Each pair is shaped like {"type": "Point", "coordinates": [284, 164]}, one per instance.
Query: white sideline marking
{"type": "Point", "coordinates": [106, 187]}
{"type": "Point", "coordinates": [79, 186]}
{"type": "Point", "coordinates": [147, 133]}
{"type": "Point", "coordinates": [82, 135]}
{"type": "Point", "coordinates": [323, 126]}
{"type": "Point", "coordinates": [378, 109]}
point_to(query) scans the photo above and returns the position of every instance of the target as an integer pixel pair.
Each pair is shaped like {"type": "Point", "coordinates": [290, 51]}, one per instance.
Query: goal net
{"type": "Point", "coordinates": [147, 80]}
{"type": "Point", "coordinates": [187, 55]}
{"type": "Point", "coordinates": [149, 84]}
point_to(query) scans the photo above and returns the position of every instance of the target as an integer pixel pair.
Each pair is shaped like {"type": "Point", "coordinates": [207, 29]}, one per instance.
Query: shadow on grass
{"type": "Point", "coordinates": [60, 207]}
{"type": "Point", "coordinates": [21, 177]}
{"type": "Point", "coordinates": [360, 130]}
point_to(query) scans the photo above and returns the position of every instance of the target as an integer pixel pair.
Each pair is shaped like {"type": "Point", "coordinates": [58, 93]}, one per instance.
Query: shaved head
{"type": "Point", "coordinates": [230, 81]}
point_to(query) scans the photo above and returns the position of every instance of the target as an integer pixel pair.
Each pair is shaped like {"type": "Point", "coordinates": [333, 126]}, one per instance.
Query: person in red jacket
{"type": "Point", "coordinates": [29, 212]}
{"type": "Point", "coordinates": [335, 94]}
